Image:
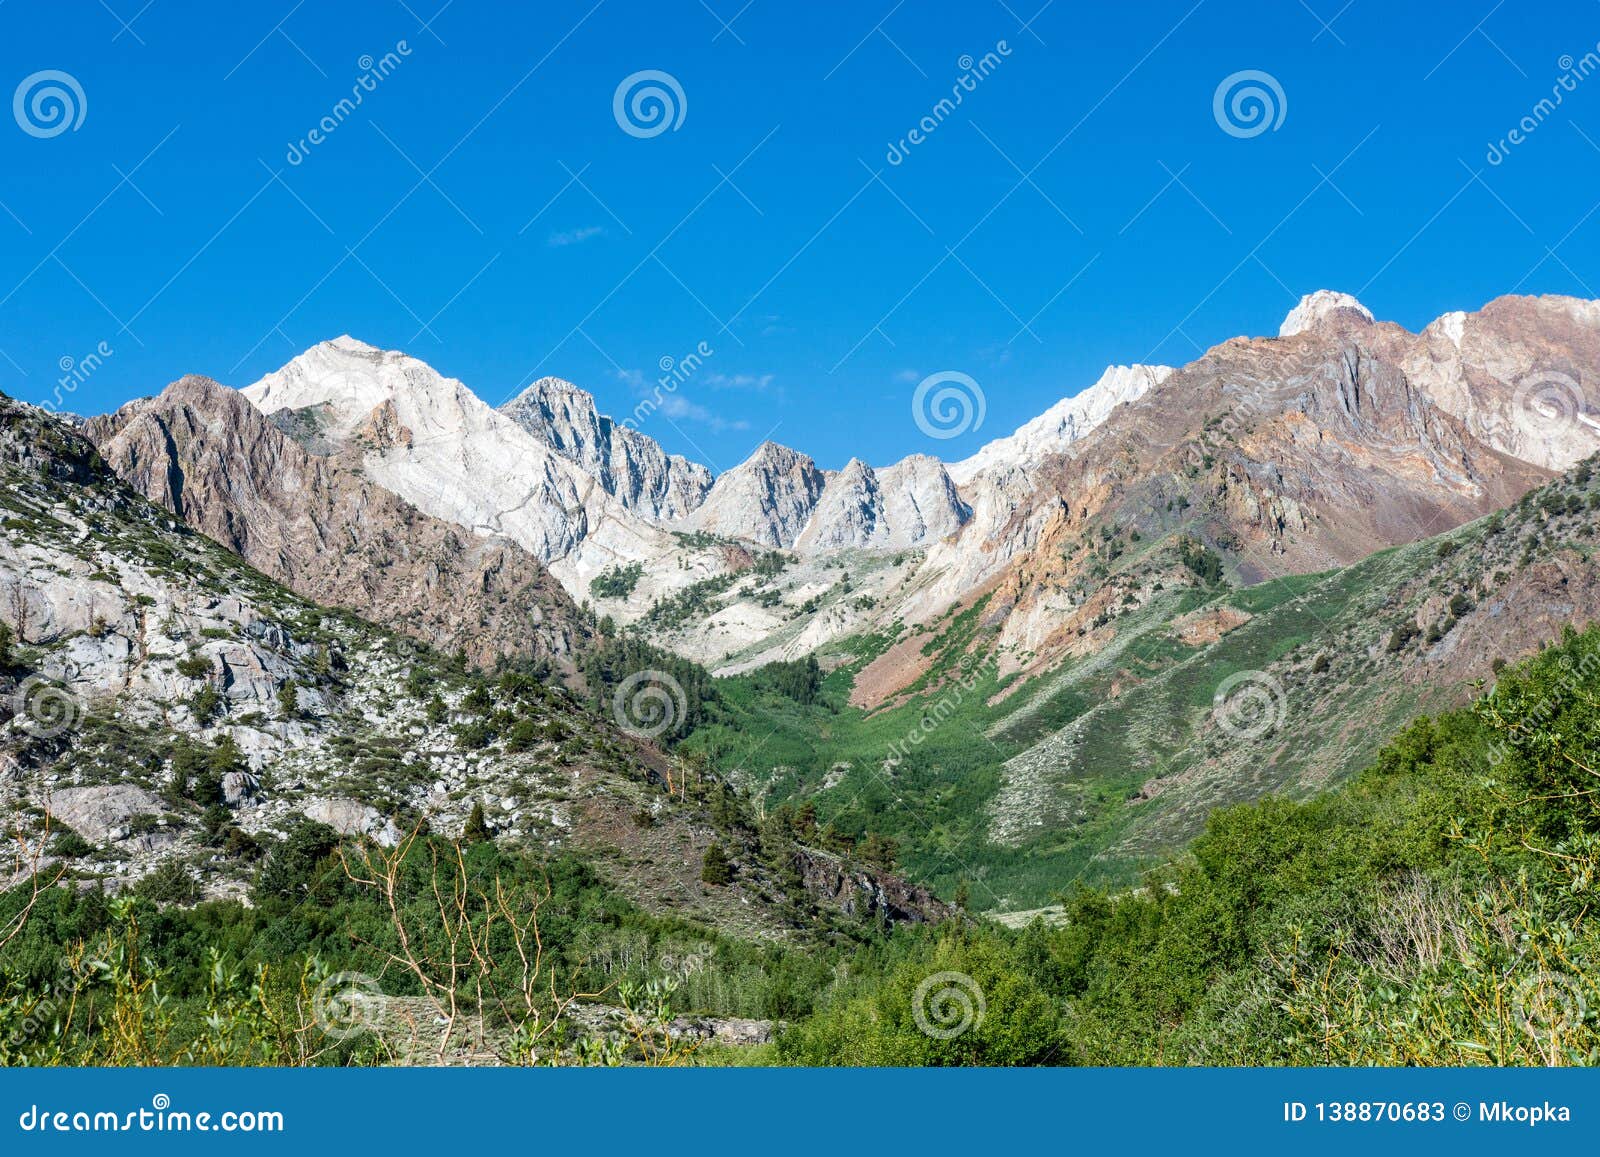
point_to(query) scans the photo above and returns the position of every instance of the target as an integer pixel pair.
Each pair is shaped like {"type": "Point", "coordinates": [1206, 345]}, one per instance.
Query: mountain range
{"type": "Point", "coordinates": [1283, 507]}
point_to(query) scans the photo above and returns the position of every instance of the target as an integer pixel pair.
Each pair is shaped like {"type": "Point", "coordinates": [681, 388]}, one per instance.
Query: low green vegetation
{"type": "Point", "coordinates": [1433, 912]}
{"type": "Point", "coordinates": [617, 582]}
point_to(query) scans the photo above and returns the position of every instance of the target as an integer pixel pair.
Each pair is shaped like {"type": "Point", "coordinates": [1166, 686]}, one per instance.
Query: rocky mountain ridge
{"type": "Point", "coordinates": [632, 468]}
{"type": "Point", "coordinates": [316, 524]}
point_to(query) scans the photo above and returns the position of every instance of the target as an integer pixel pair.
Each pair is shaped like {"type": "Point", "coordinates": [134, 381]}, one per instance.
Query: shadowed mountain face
{"type": "Point", "coordinates": [320, 527]}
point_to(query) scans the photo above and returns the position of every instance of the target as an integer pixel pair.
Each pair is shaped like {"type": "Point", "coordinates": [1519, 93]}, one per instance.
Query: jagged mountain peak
{"type": "Point", "coordinates": [632, 467]}
{"type": "Point", "coordinates": [353, 344]}
{"type": "Point", "coordinates": [1315, 308]}
{"type": "Point", "coordinates": [771, 453]}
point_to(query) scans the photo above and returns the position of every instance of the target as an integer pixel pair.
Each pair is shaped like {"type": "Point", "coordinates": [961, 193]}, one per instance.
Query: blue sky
{"type": "Point", "coordinates": [484, 209]}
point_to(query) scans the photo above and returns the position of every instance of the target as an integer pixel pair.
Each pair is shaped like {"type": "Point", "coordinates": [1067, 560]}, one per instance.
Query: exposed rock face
{"type": "Point", "coordinates": [88, 576]}
{"type": "Point", "coordinates": [351, 817]}
{"type": "Point", "coordinates": [1317, 308]}
{"type": "Point", "coordinates": [433, 442]}
{"type": "Point", "coordinates": [138, 638]}
{"type": "Point", "coordinates": [317, 525]}
{"type": "Point", "coordinates": [767, 499]}
{"type": "Point", "coordinates": [1306, 451]}
{"type": "Point", "coordinates": [912, 502]}
{"type": "Point", "coordinates": [632, 467]}
{"type": "Point", "coordinates": [1545, 349]}
{"type": "Point", "coordinates": [102, 814]}
{"type": "Point", "coordinates": [1286, 455]}
{"type": "Point", "coordinates": [859, 892]}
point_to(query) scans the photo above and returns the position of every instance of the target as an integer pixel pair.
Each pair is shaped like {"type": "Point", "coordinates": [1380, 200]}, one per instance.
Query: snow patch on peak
{"type": "Point", "coordinates": [1454, 326]}
{"type": "Point", "coordinates": [1316, 307]}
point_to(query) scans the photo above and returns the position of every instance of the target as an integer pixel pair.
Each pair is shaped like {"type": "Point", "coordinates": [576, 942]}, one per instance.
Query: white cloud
{"type": "Point", "coordinates": [575, 236]}
{"type": "Point", "coordinates": [679, 408]}
{"type": "Point", "coordinates": [758, 382]}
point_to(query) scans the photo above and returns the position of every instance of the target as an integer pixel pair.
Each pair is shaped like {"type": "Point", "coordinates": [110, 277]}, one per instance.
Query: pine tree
{"type": "Point", "coordinates": [477, 828]}
{"type": "Point", "coordinates": [716, 870]}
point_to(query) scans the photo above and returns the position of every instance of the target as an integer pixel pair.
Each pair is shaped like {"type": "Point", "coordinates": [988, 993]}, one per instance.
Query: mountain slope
{"type": "Point", "coordinates": [1198, 694]}
{"type": "Point", "coordinates": [317, 525]}
{"type": "Point", "coordinates": [182, 713]}
{"type": "Point", "coordinates": [1282, 456]}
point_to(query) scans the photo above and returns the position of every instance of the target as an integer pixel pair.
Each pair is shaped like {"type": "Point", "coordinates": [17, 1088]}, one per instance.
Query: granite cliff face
{"type": "Point", "coordinates": [767, 499]}
{"type": "Point", "coordinates": [894, 508]}
{"type": "Point", "coordinates": [320, 527]}
{"type": "Point", "coordinates": [1058, 427]}
{"type": "Point", "coordinates": [631, 467]}
{"type": "Point", "coordinates": [1306, 451]}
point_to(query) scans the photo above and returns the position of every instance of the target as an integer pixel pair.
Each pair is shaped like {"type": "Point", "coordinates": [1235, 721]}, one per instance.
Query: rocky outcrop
{"type": "Point", "coordinates": [901, 506]}
{"type": "Point", "coordinates": [1523, 373]}
{"type": "Point", "coordinates": [865, 893]}
{"type": "Point", "coordinates": [1286, 455]}
{"type": "Point", "coordinates": [631, 467]}
{"type": "Point", "coordinates": [320, 527]}
{"type": "Point", "coordinates": [1317, 309]}
{"type": "Point", "coordinates": [767, 499]}
{"type": "Point", "coordinates": [1058, 427]}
